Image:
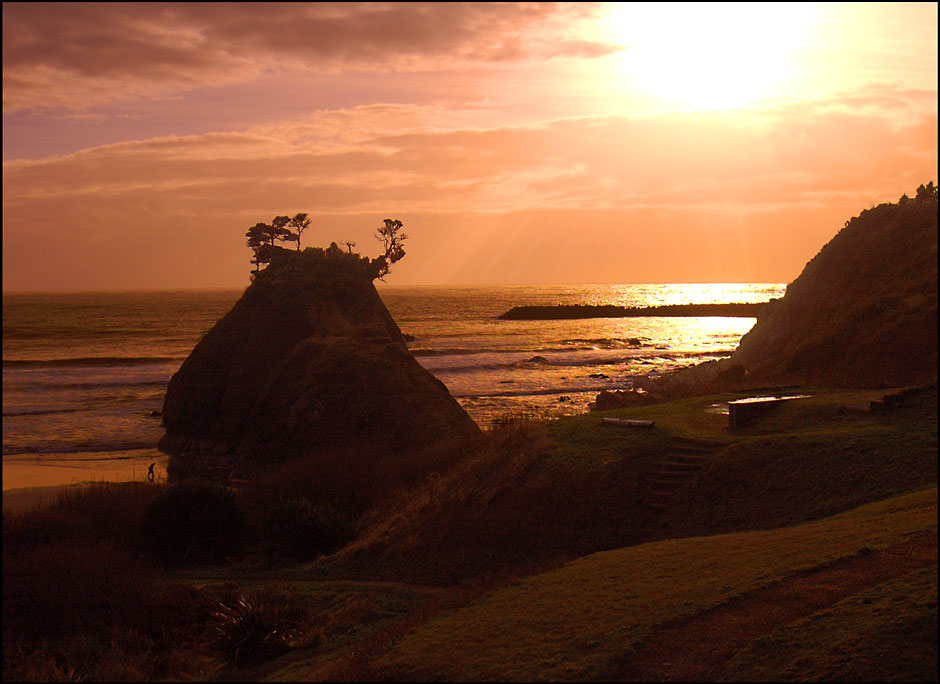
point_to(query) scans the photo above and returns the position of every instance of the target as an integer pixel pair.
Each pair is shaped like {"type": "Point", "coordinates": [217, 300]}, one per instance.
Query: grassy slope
{"type": "Point", "coordinates": [573, 622]}
{"type": "Point", "coordinates": [551, 492]}
{"type": "Point", "coordinates": [887, 633]}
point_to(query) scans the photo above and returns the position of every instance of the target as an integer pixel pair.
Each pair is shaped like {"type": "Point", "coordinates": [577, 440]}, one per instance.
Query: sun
{"type": "Point", "coordinates": [707, 55]}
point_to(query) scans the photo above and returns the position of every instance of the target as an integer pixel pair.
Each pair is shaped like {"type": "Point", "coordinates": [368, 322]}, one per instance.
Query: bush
{"type": "Point", "coordinates": [193, 523]}
{"type": "Point", "coordinates": [253, 629]}
{"type": "Point", "coordinates": [298, 530]}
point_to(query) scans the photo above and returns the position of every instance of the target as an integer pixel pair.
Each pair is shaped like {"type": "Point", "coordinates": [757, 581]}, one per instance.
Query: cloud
{"type": "Point", "coordinates": [780, 179]}
{"type": "Point", "coordinates": [357, 159]}
{"type": "Point", "coordinates": [76, 55]}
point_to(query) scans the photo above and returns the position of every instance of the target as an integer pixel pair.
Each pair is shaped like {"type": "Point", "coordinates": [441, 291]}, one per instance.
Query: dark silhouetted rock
{"type": "Point", "coordinates": [863, 313]}
{"type": "Point", "coordinates": [307, 362]}
{"type": "Point", "coordinates": [606, 401]}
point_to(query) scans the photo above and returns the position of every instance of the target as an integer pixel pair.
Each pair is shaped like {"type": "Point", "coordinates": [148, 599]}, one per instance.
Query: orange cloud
{"type": "Point", "coordinates": [677, 197]}
{"type": "Point", "coordinates": [76, 55]}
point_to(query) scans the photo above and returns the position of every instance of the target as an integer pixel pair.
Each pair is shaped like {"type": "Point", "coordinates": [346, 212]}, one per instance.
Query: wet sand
{"type": "Point", "coordinates": [29, 485]}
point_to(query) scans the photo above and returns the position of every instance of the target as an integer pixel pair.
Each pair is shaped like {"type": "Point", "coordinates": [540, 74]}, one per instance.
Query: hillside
{"type": "Point", "coordinates": [863, 313]}
{"type": "Point", "coordinates": [540, 494]}
{"type": "Point", "coordinates": [605, 617]}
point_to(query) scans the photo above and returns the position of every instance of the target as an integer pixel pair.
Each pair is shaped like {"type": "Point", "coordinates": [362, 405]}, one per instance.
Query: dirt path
{"type": "Point", "coordinates": [696, 648]}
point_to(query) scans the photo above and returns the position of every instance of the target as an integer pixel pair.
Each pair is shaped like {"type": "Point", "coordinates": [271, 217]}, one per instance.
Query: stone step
{"type": "Point", "coordinates": [665, 484]}
{"type": "Point", "coordinates": [679, 467]}
{"type": "Point", "coordinates": [662, 494]}
{"type": "Point", "coordinates": [677, 457]}
{"type": "Point", "coordinates": [669, 475]}
{"type": "Point", "coordinates": [691, 450]}
{"type": "Point", "coordinates": [696, 443]}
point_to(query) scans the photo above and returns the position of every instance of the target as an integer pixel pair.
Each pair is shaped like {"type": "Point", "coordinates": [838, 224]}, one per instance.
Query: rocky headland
{"type": "Point", "coordinates": [863, 313]}
{"type": "Point", "coordinates": [308, 362]}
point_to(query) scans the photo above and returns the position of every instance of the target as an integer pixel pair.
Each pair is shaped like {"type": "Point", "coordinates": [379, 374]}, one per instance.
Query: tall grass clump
{"type": "Point", "coordinates": [254, 628]}
{"type": "Point", "coordinates": [192, 523]}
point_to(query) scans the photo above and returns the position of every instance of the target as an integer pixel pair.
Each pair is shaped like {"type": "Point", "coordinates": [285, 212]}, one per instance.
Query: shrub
{"type": "Point", "coordinates": [298, 530]}
{"type": "Point", "coordinates": [253, 629]}
{"type": "Point", "coordinates": [193, 523]}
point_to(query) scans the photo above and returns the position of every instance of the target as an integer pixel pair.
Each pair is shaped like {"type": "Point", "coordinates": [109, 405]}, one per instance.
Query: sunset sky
{"type": "Point", "coordinates": [518, 143]}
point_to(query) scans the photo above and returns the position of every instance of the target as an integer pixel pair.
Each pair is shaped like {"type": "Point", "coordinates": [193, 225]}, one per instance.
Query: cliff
{"type": "Point", "coordinates": [863, 313]}
{"type": "Point", "coordinates": [308, 362]}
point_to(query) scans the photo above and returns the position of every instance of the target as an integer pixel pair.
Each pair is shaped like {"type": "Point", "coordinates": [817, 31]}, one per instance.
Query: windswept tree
{"type": "Point", "coordinates": [259, 236]}
{"type": "Point", "coordinates": [262, 236]}
{"type": "Point", "coordinates": [391, 236]}
{"type": "Point", "coordinates": [280, 230]}
{"type": "Point", "coordinates": [300, 223]}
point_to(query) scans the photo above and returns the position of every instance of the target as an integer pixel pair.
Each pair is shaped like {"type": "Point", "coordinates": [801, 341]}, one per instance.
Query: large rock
{"type": "Point", "coordinates": [307, 362]}
{"type": "Point", "coordinates": [863, 313]}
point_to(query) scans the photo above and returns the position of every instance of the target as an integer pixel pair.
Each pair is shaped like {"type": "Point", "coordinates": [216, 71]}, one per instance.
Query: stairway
{"type": "Point", "coordinates": [683, 460]}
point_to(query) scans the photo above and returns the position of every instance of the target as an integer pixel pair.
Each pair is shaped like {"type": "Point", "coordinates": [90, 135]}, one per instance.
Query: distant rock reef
{"type": "Point", "coordinates": [574, 311]}
{"type": "Point", "coordinates": [308, 361]}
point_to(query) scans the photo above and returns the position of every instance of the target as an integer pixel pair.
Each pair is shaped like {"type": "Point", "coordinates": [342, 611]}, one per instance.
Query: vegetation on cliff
{"type": "Point", "coordinates": [863, 313]}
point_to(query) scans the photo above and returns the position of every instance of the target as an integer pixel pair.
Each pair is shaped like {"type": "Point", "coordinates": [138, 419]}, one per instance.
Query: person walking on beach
{"type": "Point", "coordinates": [150, 472]}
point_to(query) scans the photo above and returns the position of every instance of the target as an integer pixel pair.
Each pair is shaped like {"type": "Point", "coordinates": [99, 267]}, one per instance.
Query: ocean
{"type": "Point", "coordinates": [84, 374]}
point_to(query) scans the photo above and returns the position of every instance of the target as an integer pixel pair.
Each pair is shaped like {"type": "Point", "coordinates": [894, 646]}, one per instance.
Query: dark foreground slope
{"type": "Point", "coordinates": [307, 362]}
{"type": "Point", "coordinates": [863, 313]}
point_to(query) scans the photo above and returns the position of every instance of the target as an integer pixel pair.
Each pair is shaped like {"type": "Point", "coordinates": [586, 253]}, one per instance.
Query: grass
{"type": "Point", "coordinates": [574, 622]}
{"type": "Point", "coordinates": [888, 633]}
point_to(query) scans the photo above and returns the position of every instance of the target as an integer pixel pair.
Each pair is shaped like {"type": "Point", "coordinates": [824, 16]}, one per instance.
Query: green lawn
{"type": "Point", "coordinates": [574, 622]}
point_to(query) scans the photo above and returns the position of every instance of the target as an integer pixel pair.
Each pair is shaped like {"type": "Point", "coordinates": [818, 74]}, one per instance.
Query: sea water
{"type": "Point", "coordinates": [84, 374]}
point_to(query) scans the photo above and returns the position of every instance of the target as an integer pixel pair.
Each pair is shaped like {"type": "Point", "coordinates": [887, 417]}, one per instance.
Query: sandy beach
{"type": "Point", "coordinates": [32, 485]}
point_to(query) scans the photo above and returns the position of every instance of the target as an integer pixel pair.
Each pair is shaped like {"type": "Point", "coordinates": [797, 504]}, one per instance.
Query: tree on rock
{"type": "Point", "coordinates": [280, 230]}
{"type": "Point", "coordinates": [926, 193]}
{"type": "Point", "coordinates": [391, 236]}
{"type": "Point", "coordinates": [260, 240]}
{"type": "Point", "coordinates": [262, 236]}
{"type": "Point", "coordinates": [300, 223]}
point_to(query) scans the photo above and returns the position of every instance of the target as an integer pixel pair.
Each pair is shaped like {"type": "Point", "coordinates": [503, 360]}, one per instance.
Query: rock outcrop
{"type": "Point", "coordinates": [863, 313]}
{"type": "Point", "coordinates": [307, 362]}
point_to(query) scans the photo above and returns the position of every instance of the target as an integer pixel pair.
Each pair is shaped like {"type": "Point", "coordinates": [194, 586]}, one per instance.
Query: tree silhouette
{"type": "Point", "coordinates": [263, 236]}
{"type": "Point", "coordinates": [280, 231]}
{"type": "Point", "coordinates": [389, 234]}
{"type": "Point", "coordinates": [300, 223]}
{"type": "Point", "coordinates": [926, 193]}
{"type": "Point", "coordinates": [258, 236]}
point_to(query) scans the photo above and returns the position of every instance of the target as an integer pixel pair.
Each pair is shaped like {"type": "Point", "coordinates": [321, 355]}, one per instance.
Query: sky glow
{"type": "Point", "coordinates": [518, 143]}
